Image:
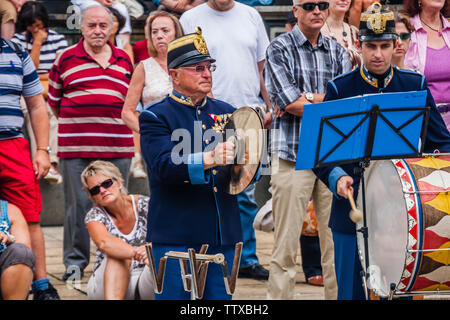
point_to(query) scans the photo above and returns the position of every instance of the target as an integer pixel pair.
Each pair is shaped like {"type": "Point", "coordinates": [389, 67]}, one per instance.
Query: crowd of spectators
{"type": "Point", "coordinates": [79, 106]}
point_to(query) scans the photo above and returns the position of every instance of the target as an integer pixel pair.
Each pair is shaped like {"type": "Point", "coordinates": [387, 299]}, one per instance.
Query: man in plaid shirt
{"type": "Point", "coordinates": [299, 65]}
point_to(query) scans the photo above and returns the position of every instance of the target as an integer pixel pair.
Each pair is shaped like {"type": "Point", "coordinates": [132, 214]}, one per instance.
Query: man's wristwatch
{"type": "Point", "coordinates": [47, 149]}
{"type": "Point", "coordinates": [309, 96]}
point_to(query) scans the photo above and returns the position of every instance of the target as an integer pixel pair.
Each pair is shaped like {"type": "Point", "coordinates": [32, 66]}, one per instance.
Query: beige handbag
{"type": "Point", "coordinates": [264, 219]}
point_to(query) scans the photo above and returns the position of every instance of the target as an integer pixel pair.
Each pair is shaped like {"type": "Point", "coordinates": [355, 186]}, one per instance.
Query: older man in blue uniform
{"type": "Point", "coordinates": [376, 75]}
{"type": "Point", "coordinates": [188, 177]}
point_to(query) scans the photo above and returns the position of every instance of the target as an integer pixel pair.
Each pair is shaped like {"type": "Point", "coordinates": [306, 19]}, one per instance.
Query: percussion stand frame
{"type": "Point", "coordinates": [194, 282]}
{"type": "Point", "coordinates": [364, 230]}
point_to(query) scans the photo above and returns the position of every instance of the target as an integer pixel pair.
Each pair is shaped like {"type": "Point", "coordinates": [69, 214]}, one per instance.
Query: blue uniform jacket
{"type": "Point", "coordinates": [359, 82]}
{"type": "Point", "coordinates": [187, 203]}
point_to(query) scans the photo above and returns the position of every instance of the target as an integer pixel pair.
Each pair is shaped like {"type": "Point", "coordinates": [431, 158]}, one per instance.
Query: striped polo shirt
{"type": "Point", "coordinates": [18, 77]}
{"type": "Point", "coordinates": [53, 45]}
{"type": "Point", "coordinates": [89, 100]}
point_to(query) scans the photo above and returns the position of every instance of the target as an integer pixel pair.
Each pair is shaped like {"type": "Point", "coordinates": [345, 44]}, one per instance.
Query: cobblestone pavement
{"type": "Point", "coordinates": [246, 289]}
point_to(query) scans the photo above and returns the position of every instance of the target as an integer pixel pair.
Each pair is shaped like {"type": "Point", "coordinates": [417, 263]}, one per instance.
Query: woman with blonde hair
{"type": "Point", "coordinates": [118, 226]}
{"type": "Point", "coordinates": [150, 81]}
{"type": "Point", "coordinates": [337, 28]}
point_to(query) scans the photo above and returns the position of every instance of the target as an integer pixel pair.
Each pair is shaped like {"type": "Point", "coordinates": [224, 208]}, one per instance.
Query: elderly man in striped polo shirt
{"type": "Point", "coordinates": [87, 88]}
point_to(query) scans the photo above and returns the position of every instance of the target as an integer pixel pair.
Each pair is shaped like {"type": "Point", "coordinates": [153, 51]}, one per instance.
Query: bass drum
{"type": "Point", "coordinates": [408, 222]}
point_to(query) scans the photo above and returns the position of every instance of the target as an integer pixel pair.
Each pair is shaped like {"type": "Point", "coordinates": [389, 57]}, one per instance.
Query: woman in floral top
{"type": "Point", "coordinates": [118, 226]}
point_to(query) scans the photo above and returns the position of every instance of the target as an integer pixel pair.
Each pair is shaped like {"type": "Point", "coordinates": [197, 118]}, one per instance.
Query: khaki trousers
{"type": "Point", "coordinates": [291, 191]}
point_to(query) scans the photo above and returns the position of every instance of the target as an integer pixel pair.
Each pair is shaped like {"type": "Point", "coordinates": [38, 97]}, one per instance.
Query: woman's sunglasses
{"type": "Point", "coordinates": [404, 36]}
{"type": "Point", "coordinates": [105, 185]}
{"type": "Point", "coordinates": [310, 6]}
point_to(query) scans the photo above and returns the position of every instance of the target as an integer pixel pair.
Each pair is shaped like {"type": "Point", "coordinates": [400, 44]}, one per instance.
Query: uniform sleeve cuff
{"type": "Point", "coordinates": [195, 168]}
{"type": "Point", "coordinates": [333, 178]}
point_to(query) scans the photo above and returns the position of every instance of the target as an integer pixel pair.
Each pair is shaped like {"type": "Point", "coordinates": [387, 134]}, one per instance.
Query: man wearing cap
{"type": "Point", "coordinates": [377, 42]}
{"type": "Point", "coordinates": [189, 172]}
{"type": "Point", "coordinates": [299, 65]}
{"type": "Point", "coordinates": [238, 39]}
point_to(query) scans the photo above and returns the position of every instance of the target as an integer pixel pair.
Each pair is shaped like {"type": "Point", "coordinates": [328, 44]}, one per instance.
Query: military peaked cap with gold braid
{"type": "Point", "coordinates": [187, 50]}
{"type": "Point", "coordinates": [377, 24]}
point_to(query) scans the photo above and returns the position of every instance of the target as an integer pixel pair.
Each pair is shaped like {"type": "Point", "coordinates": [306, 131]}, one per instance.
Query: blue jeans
{"type": "Point", "coordinates": [310, 252]}
{"type": "Point", "coordinates": [248, 209]}
{"type": "Point", "coordinates": [173, 285]}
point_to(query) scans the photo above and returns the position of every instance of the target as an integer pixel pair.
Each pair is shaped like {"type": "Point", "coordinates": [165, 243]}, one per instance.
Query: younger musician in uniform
{"type": "Point", "coordinates": [377, 42]}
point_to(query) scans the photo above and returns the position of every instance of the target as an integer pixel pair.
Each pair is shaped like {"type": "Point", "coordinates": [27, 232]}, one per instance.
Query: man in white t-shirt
{"type": "Point", "coordinates": [237, 39]}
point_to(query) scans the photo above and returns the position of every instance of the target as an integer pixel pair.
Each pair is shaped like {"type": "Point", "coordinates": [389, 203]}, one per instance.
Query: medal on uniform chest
{"type": "Point", "coordinates": [220, 120]}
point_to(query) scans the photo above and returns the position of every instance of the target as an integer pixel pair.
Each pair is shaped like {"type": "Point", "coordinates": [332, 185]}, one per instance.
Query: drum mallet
{"type": "Point", "coordinates": [355, 214]}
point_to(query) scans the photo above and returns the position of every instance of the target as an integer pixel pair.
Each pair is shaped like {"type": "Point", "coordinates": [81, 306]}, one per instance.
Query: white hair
{"type": "Point", "coordinates": [95, 5]}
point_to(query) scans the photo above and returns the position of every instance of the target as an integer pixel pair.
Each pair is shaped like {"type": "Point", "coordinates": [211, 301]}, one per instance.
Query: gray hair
{"type": "Point", "coordinates": [96, 5]}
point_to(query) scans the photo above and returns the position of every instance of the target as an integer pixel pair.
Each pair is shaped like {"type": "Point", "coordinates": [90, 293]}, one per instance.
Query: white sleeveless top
{"type": "Point", "coordinates": [157, 82]}
{"type": "Point", "coordinates": [137, 236]}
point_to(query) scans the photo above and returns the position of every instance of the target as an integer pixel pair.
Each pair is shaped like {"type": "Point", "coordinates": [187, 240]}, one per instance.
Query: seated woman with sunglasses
{"type": "Point", "coordinates": [118, 226]}
{"type": "Point", "coordinates": [404, 29]}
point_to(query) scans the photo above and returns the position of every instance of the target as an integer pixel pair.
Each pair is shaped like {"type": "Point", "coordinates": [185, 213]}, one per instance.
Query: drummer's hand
{"type": "Point", "coordinates": [222, 155]}
{"type": "Point", "coordinates": [344, 183]}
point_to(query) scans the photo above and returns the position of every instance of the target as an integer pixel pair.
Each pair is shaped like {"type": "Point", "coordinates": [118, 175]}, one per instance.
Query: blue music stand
{"type": "Point", "coordinates": [360, 129]}
{"type": "Point", "coordinates": [353, 129]}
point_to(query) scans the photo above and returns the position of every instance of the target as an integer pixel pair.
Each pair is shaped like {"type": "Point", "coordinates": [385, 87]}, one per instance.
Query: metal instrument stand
{"type": "Point", "coordinates": [364, 230]}
{"type": "Point", "coordinates": [194, 282]}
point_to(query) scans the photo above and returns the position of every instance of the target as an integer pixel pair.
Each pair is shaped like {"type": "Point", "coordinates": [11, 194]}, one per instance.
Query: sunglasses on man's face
{"type": "Point", "coordinates": [105, 185]}
{"type": "Point", "coordinates": [310, 6]}
{"type": "Point", "coordinates": [404, 36]}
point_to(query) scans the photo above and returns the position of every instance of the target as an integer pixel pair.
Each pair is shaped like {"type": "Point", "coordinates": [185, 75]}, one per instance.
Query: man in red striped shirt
{"type": "Point", "coordinates": [87, 88]}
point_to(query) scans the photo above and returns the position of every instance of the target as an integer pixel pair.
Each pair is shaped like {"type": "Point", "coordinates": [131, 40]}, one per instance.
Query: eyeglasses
{"type": "Point", "coordinates": [105, 185]}
{"type": "Point", "coordinates": [404, 36]}
{"type": "Point", "coordinates": [201, 68]}
{"type": "Point", "coordinates": [310, 6]}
